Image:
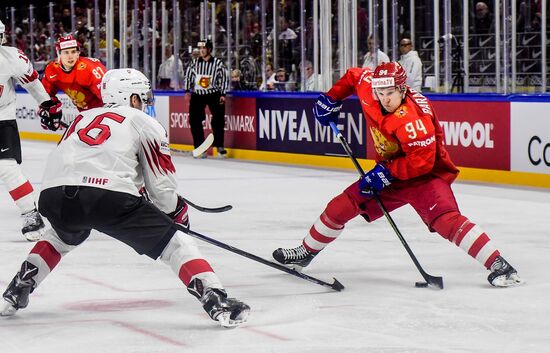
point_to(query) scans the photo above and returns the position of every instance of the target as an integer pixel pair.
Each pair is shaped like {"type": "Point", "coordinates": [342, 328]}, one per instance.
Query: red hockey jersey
{"type": "Point", "coordinates": [409, 140]}
{"type": "Point", "coordinates": [81, 84]}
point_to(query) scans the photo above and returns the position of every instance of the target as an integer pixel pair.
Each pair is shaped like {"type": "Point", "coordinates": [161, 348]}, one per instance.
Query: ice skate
{"type": "Point", "coordinates": [503, 274]}
{"type": "Point", "coordinates": [296, 258]}
{"type": "Point", "coordinates": [33, 226]}
{"type": "Point", "coordinates": [21, 286]}
{"type": "Point", "coordinates": [222, 152]}
{"type": "Point", "coordinates": [229, 312]}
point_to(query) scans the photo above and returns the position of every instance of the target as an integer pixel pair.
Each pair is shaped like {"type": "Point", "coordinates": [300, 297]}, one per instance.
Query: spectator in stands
{"type": "Point", "coordinates": [256, 40]}
{"type": "Point", "coordinates": [411, 63]}
{"type": "Point", "coordinates": [166, 71]}
{"type": "Point", "coordinates": [286, 43]}
{"type": "Point", "coordinates": [282, 82]}
{"type": "Point", "coordinates": [369, 59]}
{"type": "Point", "coordinates": [270, 79]}
{"type": "Point", "coordinates": [313, 80]}
{"type": "Point", "coordinates": [536, 19]}
{"type": "Point", "coordinates": [103, 46]}
{"type": "Point", "coordinates": [483, 21]}
{"type": "Point", "coordinates": [248, 22]}
{"type": "Point", "coordinates": [237, 83]}
{"type": "Point", "coordinates": [195, 54]}
{"type": "Point", "coordinates": [20, 40]}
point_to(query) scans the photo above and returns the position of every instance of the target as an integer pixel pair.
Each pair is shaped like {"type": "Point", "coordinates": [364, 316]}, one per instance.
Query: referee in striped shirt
{"type": "Point", "coordinates": [207, 79]}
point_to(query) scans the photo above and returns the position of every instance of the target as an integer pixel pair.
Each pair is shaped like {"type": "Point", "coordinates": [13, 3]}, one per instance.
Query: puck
{"type": "Point", "coordinates": [421, 284]}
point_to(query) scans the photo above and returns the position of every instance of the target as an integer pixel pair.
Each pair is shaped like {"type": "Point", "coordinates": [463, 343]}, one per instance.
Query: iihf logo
{"type": "Point", "coordinates": [94, 180]}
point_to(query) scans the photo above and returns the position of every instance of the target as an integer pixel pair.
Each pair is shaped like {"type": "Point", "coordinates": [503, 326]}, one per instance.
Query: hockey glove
{"type": "Point", "coordinates": [179, 215]}
{"type": "Point", "coordinates": [326, 110]}
{"type": "Point", "coordinates": [50, 114]}
{"type": "Point", "coordinates": [375, 180]}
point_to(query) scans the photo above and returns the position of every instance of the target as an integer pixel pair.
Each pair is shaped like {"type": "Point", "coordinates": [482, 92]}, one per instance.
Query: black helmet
{"type": "Point", "coordinates": [207, 43]}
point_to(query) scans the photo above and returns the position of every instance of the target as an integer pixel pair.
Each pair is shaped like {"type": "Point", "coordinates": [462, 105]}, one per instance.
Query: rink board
{"type": "Point", "coordinates": [492, 138]}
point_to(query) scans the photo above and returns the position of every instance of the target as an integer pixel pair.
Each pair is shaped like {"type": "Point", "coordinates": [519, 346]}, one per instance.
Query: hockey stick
{"type": "Point", "coordinates": [204, 146]}
{"type": "Point", "coordinates": [337, 286]}
{"type": "Point", "coordinates": [433, 280]}
{"type": "Point", "coordinates": [208, 209]}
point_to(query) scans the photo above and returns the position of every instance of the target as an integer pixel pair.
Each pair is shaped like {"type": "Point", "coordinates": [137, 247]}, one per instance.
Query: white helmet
{"type": "Point", "coordinates": [2, 33]}
{"type": "Point", "coordinates": [118, 85]}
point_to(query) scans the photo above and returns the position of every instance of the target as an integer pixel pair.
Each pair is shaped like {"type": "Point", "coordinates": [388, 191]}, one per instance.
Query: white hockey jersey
{"type": "Point", "coordinates": [14, 65]}
{"type": "Point", "coordinates": [119, 149]}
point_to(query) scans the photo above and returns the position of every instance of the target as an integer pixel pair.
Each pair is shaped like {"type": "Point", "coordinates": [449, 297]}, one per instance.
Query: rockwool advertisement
{"type": "Point", "coordinates": [240, 122]}
{"type": "Point", "coordinates": [289, 126]}
{"type": "Point", "coordinates": [477, 134]}
{"type": "Point", "coordinates": [530, 137]}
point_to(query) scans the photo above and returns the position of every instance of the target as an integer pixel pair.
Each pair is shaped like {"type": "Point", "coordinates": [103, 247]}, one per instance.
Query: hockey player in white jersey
{"type": "Point", "coordinates": [92, 181]}
{"type": "Point", "coordinates": [16, 67]}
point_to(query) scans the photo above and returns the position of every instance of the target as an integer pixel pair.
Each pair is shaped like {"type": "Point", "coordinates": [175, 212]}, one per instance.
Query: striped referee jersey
{"type": "Point", "coordinates": [205, 77]}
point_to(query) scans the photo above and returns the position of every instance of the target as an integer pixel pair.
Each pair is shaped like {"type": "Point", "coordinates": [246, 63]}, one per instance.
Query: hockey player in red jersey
{"type": "Point", "coordinates": [93, 180]}
{"type": "Point", "coordinates": [78, 77]}
{"type": "Point", "coordinates": [16, 67]}
{"type": "Point", "coordinates": [413, 167]}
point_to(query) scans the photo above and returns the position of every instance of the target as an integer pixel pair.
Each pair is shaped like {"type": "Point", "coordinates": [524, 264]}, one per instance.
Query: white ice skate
{"type": "Point", "coordinates": [33, 226]}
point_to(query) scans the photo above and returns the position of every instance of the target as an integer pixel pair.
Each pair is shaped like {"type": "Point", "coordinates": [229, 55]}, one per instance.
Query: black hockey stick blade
{"type": "Point", "coordinates": [208, 209]}
{"type": "Point", "coordinates": [336, 285]}
{"type": "Point", "coordinates": [434, 281]}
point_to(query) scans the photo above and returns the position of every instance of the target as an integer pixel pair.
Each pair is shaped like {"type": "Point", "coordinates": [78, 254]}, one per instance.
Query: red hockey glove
{"type": "Point", "coordinates": [179, 215]}
{"type": "Point", "coordinates": [50, 114]}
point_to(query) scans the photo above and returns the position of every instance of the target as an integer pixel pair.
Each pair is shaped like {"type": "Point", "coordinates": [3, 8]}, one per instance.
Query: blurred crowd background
{"type": "Point", "coordinates": [298, 45]}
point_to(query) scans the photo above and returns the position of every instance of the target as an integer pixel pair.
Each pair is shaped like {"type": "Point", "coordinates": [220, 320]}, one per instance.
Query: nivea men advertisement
{"type": "Point", "coordinates": [289, 126]}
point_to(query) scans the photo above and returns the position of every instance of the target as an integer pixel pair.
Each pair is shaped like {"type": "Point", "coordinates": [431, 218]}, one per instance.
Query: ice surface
{"type": "Point", "coordinates": [105, 298]}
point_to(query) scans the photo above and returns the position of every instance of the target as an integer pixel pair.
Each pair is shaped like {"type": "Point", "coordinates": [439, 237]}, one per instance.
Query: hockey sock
{"type": "Point", "coordinates": [20, 189]}
{"type": "Point", "coordinates": [330, 224]}
{"type": "Point", "coordinates": [468, 236]}
{"type": "Point", "coordinates": [183, 256]}
{"type": "Point", "coordinates": [322, 233]}
{"type": "Point", "coordinates": [47, 253]}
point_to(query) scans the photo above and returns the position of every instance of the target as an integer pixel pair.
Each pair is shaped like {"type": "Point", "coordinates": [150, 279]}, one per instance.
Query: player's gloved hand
{"type": "Point", "coordinates": [179, 215]}
{"type": "Point", "coordinates": [50, 114]}
{"type": "Point", "coordinates": [375, 180]}
{"type": "Point", "coordinates": [326, 109]}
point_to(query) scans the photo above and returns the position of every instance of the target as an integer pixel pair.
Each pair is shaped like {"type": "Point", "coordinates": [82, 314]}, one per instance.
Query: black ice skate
{"type": "Point", "coordinates": [222, 152]}
{"type": "Point", "coordinates": [229, 312]}
{"type": "Point", "coordinates": [296, 257]}
{"type": "Point", "coordinates": [33, 226]}
{"type": "Point", "coordinates": [503, 274]}
{"type": "Point", "coordinates": [21, 286]}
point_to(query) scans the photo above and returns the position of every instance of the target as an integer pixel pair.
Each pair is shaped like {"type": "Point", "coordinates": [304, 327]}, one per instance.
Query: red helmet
{"type": "Point", "coordinates": [66, 43]}
{"type": "Point", "coordinates": [390, 74]}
